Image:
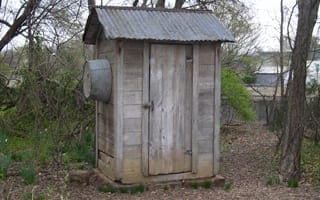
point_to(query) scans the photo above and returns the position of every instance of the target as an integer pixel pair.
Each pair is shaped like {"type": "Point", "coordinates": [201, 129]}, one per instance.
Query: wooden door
{"type": "Point", "coordinates": [170, 116]}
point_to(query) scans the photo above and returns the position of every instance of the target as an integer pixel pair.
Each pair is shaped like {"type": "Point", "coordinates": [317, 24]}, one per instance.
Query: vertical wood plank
{"type": "Point", "coordinates": [217, 94]}
{"type": "Point", "coordinates": [96, 49]}
{"type": "Point", "coordinates": [188, 108]}
{"type": "Point", "coordinates": [195, 99]}
{"type": "Point", "coordinates": [145, 112]}
{"type": "Point", "coordinates": [97, 136]}
{"type": "Point", "coordinates": [167, 136]}
{"type": "Point", "coordinates": [119, 52]}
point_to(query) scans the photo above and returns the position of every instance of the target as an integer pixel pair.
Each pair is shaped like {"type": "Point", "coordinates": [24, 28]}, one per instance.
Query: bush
{"type": "Point", "coordinates": [236, 94]}
{"type": "Point", "coordinates": [207, 184]}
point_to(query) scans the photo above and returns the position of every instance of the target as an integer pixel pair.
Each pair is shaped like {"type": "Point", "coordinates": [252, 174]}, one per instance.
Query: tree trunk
{"type": "Point", "coordinates": [18, 23]}
{"type": "Point", "coordinates": [91, 4]}
{"type": "Point", "coordinates": [281, 50]}
{"type": "Point", "coordinates": [293, 133]}
{"type": "Point", "coordinates": [178, 4]}
{"type": "Point", "coordinates": [160, 3]}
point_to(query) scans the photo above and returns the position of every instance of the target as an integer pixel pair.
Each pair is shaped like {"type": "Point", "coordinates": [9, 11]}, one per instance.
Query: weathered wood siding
{"type": "Point", "coordinates": [203, 125]}
{"type": "Point", "coordinates": [105, 112]}
{"type": "Point", "coordinates": [170, 119]}
{"type": "Point", "coordinates": [206, 106]}
{"type": "Point", "coordinates": [132, 108]}
{"type": "Point", "coordinates": [123, 123]}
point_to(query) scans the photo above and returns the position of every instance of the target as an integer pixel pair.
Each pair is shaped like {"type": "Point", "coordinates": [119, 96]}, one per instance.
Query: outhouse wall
{"type": "Point", "coordinates": [121, 135]}
{"type": "Point", "coordinates": [106, 112]}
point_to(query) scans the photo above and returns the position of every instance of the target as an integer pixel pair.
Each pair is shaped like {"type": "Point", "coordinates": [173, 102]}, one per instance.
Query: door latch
{"type": "Point", "coordinates": [188, 152]}
{"type": "Point", "coordinates": [148, 105]}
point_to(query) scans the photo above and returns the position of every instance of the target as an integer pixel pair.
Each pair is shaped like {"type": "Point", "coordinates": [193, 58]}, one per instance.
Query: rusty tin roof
{"type": "Point", "coordinates": [155, 24]}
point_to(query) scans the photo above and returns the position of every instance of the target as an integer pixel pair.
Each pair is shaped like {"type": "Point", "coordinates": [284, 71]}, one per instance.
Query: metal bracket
{"type": "Point", "coordinates": [188, 152]}
{"type": "Point", "coordinates": [149, 105]}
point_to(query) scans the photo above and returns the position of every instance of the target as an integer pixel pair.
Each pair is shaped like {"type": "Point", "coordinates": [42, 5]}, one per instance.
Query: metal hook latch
{"type": "Point", "coordinates": [148, 105]}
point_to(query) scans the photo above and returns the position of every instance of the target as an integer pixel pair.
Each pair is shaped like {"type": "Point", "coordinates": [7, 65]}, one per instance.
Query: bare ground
{"type": "Point", "coordinates": [247, 163]}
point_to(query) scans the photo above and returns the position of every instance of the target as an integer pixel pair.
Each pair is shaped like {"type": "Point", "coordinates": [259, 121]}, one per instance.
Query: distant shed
{"type": "Point", "coordinates": [161, 120]}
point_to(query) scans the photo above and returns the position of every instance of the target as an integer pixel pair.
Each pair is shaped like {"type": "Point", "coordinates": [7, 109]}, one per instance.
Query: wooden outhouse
{"type": "Point", "coordinates": [159, 119]}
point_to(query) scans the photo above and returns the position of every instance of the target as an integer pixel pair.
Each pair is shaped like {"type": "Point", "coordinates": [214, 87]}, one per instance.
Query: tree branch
{"type": "Point", "coordinates": [18, 23]}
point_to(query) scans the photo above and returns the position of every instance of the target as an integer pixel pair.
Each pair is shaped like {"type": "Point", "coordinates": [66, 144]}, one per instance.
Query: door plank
{"type": "Point", "coordinates": [169, 125]}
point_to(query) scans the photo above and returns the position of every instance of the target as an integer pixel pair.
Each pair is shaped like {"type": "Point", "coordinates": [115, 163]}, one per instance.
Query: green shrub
{"type": "Point", "coordinates": [207, 184]}
{"type": "Point", "coordinates": [195, 185]}
{"type": "Point", "coordinates": [293, 183]}
{"type": "Point", "coordinates": [227, 186]}
{"type": "Point", "coordinates": [236, 94]}
{"type": "Point", "coordinates": [29, 175]}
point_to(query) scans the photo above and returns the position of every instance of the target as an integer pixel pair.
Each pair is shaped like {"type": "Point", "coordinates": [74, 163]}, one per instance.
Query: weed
{"type": "Point", "coordinates": [207, 184]}
{"type": "Point", "coordinates": [106, 189]}
{"type": "Point", "coordinates": [195, 185]}
{"type": "Point", "coordinates": [40, 197]}
{"type": "Point", "coordinates": [123, 190]}
{"type": "Point", "coordinates": [29, 175]}
{"type": "Point", "coordinates": [4, 165]}
{"type": "Point", "coordinates": [165, 187]}
{"type": "Point", "coordinates": [81, 151]}
{"type": "Point", "coordinates": [227, 186]}
{"type": "Point", "coordinates": [137, 189]}
{"type": "Point", "coordinates": [294, 183]}
{"type": "Point", "coordinates": [17, 156]}
{"type": "Point", "coordinates": [273, 181]}
{"type": "Point", "coordinates": [310, 162]}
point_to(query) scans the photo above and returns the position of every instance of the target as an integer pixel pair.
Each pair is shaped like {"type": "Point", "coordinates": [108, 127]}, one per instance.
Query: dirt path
{"type": "Point", "coordinates": [246, 164]}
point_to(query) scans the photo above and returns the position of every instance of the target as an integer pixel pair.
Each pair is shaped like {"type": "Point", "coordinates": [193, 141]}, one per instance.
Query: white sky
{"type": "Point", "coordinates": [266, 12]}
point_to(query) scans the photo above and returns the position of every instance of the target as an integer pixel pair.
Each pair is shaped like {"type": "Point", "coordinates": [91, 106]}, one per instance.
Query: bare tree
{"type": "Point", "coordinates": [15, 28]}
{"type": "Point", "coordinates": [294, 126]}
{"type": "Point", "coordinates": [160, 3]}
{"type": "Point", "coordinates": [91, 4]}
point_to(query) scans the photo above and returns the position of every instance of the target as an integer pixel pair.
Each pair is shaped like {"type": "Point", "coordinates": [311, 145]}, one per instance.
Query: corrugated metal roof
{"type": "Point", "coordinates": [156, 24]}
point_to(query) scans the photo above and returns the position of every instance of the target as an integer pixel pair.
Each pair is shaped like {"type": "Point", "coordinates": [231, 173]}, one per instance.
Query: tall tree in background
{"type": "Point", "coordinates": [294, 127]}
{"type": "Point", "coordinates": [20, 20]}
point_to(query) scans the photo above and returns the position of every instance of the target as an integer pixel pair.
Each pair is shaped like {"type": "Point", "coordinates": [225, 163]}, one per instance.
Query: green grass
{"type": "Point", "coordinates": [310, 161]}
{"type": "Point", "coordinates": [4, 165]}
{"type": "Point", "coordinates": [137, 189]}
{"type": "Point", "coordinates": [165, 187]}
{"type": "Point", "coordinates": [123, 190]}
{"type": "Point", "coordinates": [29, 175]}
{"type": "Point", "coordinates": [195, 185]}
{"type": "Point", "coordinates": [273, 181]}
{"type": "Point", "coordinates": [38, 149]}
{"type": "Point", "coordinates": [227, 186]}
{"type": "Point", "coordinates": [106, 189]}
{"type": "Point", "coordinates": [207, 184]}
{"type": "Point", "coordinates": [293, 183]}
